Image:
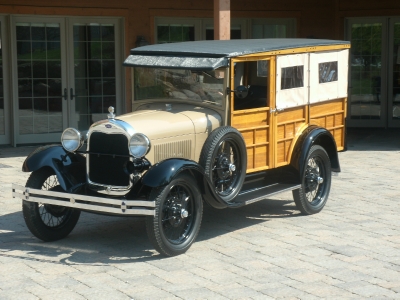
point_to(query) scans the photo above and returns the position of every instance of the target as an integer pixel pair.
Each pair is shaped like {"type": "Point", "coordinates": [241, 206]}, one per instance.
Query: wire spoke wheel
{"type": "Point", "coordinates": [52, 215]}
{"type": "Point", "coordinates": [48, 222]}
{"type": "Point", "coordinates": [316, 182]}
{"type": "Point", "coordinates": [178, 213]}
{"type": "Point", "coordinates": [224, 160]}
{"type": "Point", "coordinates": [225, 171]}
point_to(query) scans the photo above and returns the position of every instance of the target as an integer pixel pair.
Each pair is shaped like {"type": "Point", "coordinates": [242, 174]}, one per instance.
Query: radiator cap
{"type": "Point", "coordinates": [111, 114]}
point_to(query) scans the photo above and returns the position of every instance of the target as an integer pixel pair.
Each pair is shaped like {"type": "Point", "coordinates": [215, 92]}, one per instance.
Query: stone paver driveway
{"type": "Point", "coordinates": [265, 250]}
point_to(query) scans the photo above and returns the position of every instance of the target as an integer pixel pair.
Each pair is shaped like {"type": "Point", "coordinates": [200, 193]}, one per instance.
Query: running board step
{"type": "Point", "coordinates": [253, 195]}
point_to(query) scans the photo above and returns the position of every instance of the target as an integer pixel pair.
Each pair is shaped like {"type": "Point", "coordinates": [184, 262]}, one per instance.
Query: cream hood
{"type": "Point", "coordinates": [156, 122]}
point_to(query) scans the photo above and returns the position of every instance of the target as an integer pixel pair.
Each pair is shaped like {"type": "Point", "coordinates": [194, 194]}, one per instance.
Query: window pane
{"type": "Point", "coordinates": [328, 71]}
{"type": "Point", "coordinates": [292, 77]}
{"type": "Point", "coordinates": [175, 33]}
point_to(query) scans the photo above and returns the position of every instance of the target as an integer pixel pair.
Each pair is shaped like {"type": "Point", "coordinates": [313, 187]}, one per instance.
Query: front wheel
{"type": "Point", "coordinates": [48, 222]}
{"type": "Point", "coordinates": [178, 214]}
{"type": "Point", "coordinates": [315, 182]}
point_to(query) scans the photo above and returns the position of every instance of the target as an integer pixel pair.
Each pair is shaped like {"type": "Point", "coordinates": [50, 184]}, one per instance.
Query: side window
{"type": "Point", "coordinates": [292, 77]}
{"type": "Point", "coordinates": [253, 75]}
{"type": "Point", "coordinates": [328, 75]}
{"type": "Point", "coordinates": [292, 80]}
{"type": "Point", "coordinates": [328, 71]}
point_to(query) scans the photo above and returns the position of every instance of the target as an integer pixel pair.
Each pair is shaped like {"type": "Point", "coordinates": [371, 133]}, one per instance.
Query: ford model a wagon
{"type": "Point", "coordinates": [224, 122]}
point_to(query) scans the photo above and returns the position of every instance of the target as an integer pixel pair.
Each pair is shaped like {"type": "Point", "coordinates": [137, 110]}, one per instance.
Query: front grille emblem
{"type": "Point", "coordinates": [108, 126]}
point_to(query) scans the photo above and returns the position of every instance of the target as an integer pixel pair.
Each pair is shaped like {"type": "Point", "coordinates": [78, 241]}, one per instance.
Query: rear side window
{"type": "Point", "coordinates": [328, 71]}
{"type": "Point", "coordinates": [292, 77]}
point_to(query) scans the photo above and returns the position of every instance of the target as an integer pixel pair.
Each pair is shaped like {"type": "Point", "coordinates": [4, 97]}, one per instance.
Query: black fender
{"type": "Point", "coordinates": [314, 135]}
{"type": "Point", "coordinates": [165, 171]}
{"type": "Point", "coordinates": [70, 168]}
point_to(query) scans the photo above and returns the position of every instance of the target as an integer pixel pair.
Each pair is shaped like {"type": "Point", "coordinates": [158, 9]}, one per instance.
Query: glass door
{"type": "Point", "coordinates": [95, 66]}
{"type": "Point", "coordinates": [367, 93]}
{"type": "Point", "coordinates": [67, 74]}
{"type": "Point", "coordinates": [394, 73]}
{"type": "Point", "coordinates": [4, 83]}
{"type": "Point", "coordinates": [40, 78]}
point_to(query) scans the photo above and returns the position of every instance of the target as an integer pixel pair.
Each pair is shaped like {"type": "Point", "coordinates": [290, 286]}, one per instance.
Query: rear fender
{"type": "Point", "coordinates": [70, 168]}
{"type": "Point", "coordinates": [311, 136]}
{"type": "Point", "coordinates": [165, 171]}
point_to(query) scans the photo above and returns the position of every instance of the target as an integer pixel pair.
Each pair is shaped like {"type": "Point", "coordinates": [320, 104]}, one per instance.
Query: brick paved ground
{"type": "Point", "coordinates": [266, 250]}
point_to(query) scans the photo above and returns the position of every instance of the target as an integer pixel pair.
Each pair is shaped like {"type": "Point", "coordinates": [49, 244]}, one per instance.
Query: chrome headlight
{"type": "Point", "coordinates": [71, 139]}
{"type": "Point", "coordinates": [139, 145]}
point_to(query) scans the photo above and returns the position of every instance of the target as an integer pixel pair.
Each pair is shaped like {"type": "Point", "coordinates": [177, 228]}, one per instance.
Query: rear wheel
{"type": "Point", "coordinates": [178, 214]}
{"type": "Point", "coordinates": [316, 182]}
{"type": "Point", "coordinates": [48, 222]}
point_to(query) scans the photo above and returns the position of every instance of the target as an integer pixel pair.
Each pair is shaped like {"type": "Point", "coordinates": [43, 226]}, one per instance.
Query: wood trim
{"type": "Point", "coordinates": [272, 103]}
{"type": "Point", "coordinates": [299, 50]}
{"type": "Point", "coordinates": [246, 111]}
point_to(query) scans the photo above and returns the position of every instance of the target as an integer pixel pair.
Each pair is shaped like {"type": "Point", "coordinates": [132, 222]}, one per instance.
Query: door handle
{"type": "Point", "coordinates": [65, 96]}
{"type": "Point", "coordinates": [273, 110]}
{"type": "Point", "coordinates": [72, 94]}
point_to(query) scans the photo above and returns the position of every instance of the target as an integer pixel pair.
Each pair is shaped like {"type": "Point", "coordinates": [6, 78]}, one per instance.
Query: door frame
{"type": "Point", "coordinates": [5, 42]}
{"type": "Point", "coordinates": [119, 78]}
{"type": "Point", "coordinates": [392, 123]}
{"type": "Point", "coordinates": [66, 69]}
{"type": "Point", "coordinates": [382, 122]}
{"type": "Point", "coordinates": [43, 137]}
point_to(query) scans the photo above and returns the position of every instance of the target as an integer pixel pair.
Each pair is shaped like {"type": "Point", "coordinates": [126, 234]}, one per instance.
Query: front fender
{"type": "Point", "coordinates": [163, 172]}
{"type": "Point", "coordinates": [69, 167]}
{"type": "Point", "coordinates": [314, 135]}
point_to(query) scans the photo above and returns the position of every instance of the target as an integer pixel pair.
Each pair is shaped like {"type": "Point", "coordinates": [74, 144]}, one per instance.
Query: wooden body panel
{"type": "Point", "coordinates": [289, 125]}
{"type": "Point", "coordinates": [253, 124]}
{"type": "Point", "coordinates": [331, 115]}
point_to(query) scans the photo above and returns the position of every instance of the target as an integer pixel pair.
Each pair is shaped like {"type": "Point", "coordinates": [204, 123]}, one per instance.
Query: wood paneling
{"type": "Point", "coordinates": [253, 124]}
{"type": "Point", "coordinates": [330, 115]}
{"type": "Point", "coordinates": [288, 125]}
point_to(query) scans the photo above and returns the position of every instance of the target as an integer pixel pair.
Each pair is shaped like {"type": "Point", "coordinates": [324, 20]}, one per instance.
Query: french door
{"type": "Point", "coordinates": [67, 74]}
{"type": "Point", "coordinates": [374, 94]}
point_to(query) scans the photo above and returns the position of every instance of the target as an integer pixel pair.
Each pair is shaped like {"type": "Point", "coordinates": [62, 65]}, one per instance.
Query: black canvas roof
{"type": "Point", "coordinates": [210, 55]}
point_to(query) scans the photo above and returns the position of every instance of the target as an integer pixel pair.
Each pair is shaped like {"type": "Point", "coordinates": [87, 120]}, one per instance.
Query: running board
{"type": "Point", "coordinates": [256, 194]}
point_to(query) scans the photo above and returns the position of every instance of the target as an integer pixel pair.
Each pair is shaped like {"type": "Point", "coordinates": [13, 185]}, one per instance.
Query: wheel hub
{"type": "Point", "coordinates": [176, 212]}
{"type": "Point", "coordinates": [225, 167]}
{"type": "Point", "coordinates": [313, 179]}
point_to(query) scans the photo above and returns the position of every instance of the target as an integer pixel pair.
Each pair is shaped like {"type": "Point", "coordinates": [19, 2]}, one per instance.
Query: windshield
{"type": "Point", "coordinates": [190, 85]}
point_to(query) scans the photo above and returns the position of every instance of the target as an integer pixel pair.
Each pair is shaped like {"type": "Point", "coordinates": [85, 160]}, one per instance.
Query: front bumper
{"type": "Point", "coordinates": [89, 203]}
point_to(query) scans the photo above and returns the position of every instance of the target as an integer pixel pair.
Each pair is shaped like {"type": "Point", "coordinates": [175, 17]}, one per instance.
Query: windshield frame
{"type": "Point", "coordinates": [204, 103]}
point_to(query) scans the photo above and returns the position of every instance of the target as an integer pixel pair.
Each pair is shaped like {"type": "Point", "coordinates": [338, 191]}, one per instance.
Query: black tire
{"type": "Point", "coordinates": [171, 230]}
{"type": "Point", "coordinates": [224, 159]}
{"type": "Point", "coordinates": [315, 182]}
{"type": "Point", "coordinates": [48, 222]}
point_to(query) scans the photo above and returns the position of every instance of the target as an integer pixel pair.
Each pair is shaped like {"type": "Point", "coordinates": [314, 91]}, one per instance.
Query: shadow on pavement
{"type": "Point", "coordinates": [101, 240]}
{"type": "Point", "coordinates": [370, 139]}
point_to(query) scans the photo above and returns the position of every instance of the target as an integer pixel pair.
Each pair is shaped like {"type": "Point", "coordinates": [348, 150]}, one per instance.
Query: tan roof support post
{"type": "Point", "coordinates": [222, 19]}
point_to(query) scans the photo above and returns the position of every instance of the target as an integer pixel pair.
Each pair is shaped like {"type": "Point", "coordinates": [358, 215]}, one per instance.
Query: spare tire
{"type": "Point", "coordinates": [224, 160]}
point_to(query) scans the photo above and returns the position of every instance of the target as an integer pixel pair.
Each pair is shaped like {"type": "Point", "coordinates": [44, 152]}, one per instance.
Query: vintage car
{"type": "Point", "coordinates": [227, 123]}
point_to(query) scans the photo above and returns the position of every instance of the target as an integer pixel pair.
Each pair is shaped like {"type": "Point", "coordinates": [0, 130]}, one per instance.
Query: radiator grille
{"type": "Point", "coordinates": [180, 149]}
{"type": "Point", "coordinates": [105, 168]}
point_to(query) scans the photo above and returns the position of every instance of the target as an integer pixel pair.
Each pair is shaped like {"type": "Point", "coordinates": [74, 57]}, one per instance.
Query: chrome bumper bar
{"type": "Point", "coordinates": [96, 204]}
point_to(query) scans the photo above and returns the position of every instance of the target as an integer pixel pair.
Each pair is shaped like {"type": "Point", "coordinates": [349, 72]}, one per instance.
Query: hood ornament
{"type": "Point", "coordinates": [111, 114]}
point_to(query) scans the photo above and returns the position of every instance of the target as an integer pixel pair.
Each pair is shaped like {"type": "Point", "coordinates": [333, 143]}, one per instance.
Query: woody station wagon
{"type": "Point", "coordinates": [224, 122]}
